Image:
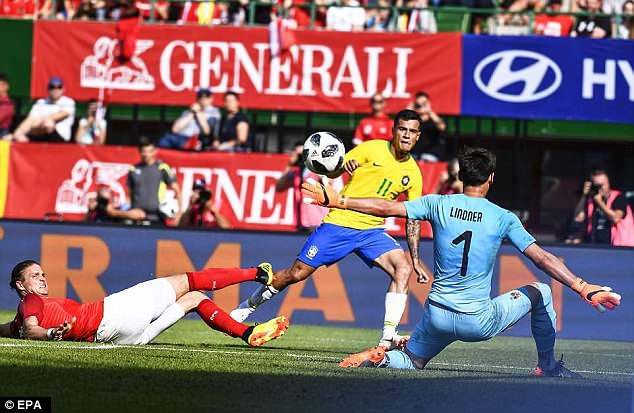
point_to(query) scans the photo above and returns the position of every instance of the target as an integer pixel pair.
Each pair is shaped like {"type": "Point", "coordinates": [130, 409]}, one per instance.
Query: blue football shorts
{"type": "Point", "coordinates": [330, 243]}
{"type": "Point", "coordinates": [441, 326]}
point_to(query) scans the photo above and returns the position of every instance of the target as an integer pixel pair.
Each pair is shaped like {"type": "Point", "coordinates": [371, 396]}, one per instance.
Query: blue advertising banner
{"type": "Point", "coordinates": [548, 78]}
{"type": "Point", "coordinates": [88, 262]}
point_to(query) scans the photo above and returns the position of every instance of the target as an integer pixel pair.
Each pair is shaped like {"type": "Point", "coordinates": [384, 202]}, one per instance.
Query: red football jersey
{"type": "Point", "coordinates": [374, 128]}
{"type": "Point", "coordinates": [51, 312]}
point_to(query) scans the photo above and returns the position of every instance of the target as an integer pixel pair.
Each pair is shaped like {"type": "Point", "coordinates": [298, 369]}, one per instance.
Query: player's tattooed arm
{"type": "Point", "coordinates": [412, 231]}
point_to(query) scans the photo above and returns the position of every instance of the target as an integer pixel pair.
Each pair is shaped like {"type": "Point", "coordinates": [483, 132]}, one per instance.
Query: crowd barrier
{"type": "Point", "coordinates": [87, 262]}
{"type": "Point", "coordinates": [467, 75]}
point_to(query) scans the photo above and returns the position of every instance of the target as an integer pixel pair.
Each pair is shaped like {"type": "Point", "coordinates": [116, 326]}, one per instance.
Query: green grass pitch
{"type": "Point", "coordinates": [190, 368]}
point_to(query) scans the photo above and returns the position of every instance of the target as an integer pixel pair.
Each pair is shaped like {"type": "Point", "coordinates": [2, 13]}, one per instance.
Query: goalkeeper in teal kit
{"type": "Point", "coordinates": [468, 232]}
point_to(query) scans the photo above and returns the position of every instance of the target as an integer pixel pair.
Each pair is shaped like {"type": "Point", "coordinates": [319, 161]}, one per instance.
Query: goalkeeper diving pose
{"type": "Point", "coordinates": [135, 315]}
{"type": "Point", "coordinates": [378, 169]}
{"type": "Point", "coordinates": [468, 230]}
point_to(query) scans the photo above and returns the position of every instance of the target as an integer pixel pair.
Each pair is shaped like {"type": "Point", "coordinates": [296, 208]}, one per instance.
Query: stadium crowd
{"type": "Point", "coordinates": [593, 18]}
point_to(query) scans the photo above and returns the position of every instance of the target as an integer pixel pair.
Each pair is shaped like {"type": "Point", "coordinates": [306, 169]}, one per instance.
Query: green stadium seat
{"type": "Point", "coordinates": [453, 19]}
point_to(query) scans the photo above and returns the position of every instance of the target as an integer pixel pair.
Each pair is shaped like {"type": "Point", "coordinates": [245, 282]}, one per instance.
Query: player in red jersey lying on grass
{"type": "Point", "coordinates": [135, 315]}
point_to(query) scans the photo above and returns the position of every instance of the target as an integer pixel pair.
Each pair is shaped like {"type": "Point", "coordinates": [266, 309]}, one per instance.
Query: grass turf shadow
{"type": "Point", "coordinates": [161, 390]}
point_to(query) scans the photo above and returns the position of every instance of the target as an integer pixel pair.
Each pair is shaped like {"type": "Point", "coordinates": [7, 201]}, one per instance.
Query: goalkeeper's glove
{"type": "Point", "coordinates": [322, 195]}
{"type": "Point", "coordinates": [597, 296]}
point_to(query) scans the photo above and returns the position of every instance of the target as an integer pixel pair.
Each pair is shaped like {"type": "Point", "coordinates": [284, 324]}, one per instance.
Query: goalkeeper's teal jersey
{"type": "Point", "coordinates": [468, 232]}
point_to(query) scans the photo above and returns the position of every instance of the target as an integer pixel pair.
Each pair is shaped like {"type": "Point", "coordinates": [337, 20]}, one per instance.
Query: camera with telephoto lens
{"type": "Point", "coordinates": [203, 196]}
{"type": "Point", "coordinates": [594, 189]}
{"type": "Point", "coordinates": [102, 203]}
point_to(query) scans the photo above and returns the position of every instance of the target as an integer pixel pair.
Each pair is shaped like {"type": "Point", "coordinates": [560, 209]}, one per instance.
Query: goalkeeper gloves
{"type": "Point", "coordinates": [322, 195]}
{"type": "Point", "coordinates": [597, 296]}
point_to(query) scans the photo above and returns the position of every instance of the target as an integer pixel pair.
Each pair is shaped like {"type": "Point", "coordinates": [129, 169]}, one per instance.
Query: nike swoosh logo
{"type": "Point", "coordinates": [376, 164]}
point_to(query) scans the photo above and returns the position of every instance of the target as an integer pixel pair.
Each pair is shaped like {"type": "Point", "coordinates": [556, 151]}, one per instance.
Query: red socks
{"type": "Point", "coordinates": [217, 319]}
{"type": "Point", "coordinates": [216, 278]}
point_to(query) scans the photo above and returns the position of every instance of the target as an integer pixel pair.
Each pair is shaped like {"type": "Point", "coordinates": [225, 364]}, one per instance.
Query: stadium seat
{"type": "Point", "coordinates": [453, 19]}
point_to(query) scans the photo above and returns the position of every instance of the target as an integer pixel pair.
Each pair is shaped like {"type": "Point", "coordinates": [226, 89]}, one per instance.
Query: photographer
{"type": "Point", "coordinates": [450, 183]}
{"type": "Point", "coordinates": [100, 209]}
{"type": "Point", "coordinates": [430, 146]}
{"type": "Point", "coordinates": [604, 213]}
{"type": "Point", "coordinates": [201, 211]}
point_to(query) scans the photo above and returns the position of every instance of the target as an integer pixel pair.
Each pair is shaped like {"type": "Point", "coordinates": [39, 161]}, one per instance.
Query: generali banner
{"type": "Point", "coordinates": [323, 71]}
{"type": "Point", "coordinates": [243, 185]}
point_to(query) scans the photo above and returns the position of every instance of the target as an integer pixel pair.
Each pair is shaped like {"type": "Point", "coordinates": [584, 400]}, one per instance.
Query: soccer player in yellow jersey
{"type": "Point", "coordinates": [378, 169]}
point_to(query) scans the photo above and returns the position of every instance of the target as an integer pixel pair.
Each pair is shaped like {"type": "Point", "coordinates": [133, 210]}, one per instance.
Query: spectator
{"type": "Point", "coordinates": [604, 213]}
{"type": "Point", "coordinates": [597, 27]}
{"type": "Point", "coordinates": [50, 119]}
{"type": "Point", "coordinates": [92, 129]}
{"type": "Point", "coordinates": [7, 108]}
{"type": "Point", "coordinates": [347, 17]}
{"type": "Point", "coordinates": [91, 9]}
{"type": "Point", "coordinates": [612, 6]}
{"type": "Point", "coordinates": [234, 127]}
{"type": "Point", "coordinates": [25, 8]}
{"type": "Point", "coordinates": [146, 182]}
{"type": "Point", "coordinates": [293, 11]}
{"type": "Point", "coordinates": [548, 24]}
{"type": "Point", "coordinates": [202, 212]}
{"type": "Point", "coordinates": [421, 20]}
{"type": "Point", "coordinates": [378, 19]}
{"type": "Point", "coordinates": [160, 9]}
{"type": "Point", "coordinates": [376, 126]}
{"type": "Point", "coordinates": [199, 123]}
{"type": "Point", "coordinates": [626, 28]}
{"type": "Point", "coordinates": [429, 146]}
{"type": "Point", "coordinates": [518, 19]}
{"type": "Point", "coordinates": [101, 209]}
{"type": "Point", "coordinates": [450, 182]}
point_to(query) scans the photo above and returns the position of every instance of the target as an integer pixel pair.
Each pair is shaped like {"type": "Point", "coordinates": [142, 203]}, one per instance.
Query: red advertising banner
{"type": "Point", "coordinates": [323, 71]}
{"type": "Point", "coordinates": [243, 185]}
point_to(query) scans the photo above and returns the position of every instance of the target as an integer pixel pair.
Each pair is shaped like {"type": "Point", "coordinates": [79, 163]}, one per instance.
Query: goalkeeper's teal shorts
{"type": "Point", "coordinates": [442, 326]}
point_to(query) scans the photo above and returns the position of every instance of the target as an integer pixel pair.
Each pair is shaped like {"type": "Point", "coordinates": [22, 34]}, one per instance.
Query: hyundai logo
{"type": "Point", "coordinates": [538, 79]}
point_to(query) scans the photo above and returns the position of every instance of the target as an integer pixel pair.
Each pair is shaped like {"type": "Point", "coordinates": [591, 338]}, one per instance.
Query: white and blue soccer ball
{"type": "Point", "coordinates": [323, 153]}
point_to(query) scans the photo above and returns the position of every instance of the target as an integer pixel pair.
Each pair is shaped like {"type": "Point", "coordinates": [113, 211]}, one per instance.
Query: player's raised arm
{"type": "Point", "coordinates": [322, 195]}
{"type": "Point", "coordinates": [597, 296]}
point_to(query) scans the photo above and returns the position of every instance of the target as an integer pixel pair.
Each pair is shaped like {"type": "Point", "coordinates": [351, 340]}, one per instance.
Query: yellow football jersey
{"type": "Point", "coordinates": [379, 175]}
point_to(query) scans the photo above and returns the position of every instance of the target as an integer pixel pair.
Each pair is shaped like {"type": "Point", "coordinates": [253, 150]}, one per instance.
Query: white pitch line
{"type": "Point", "coordinates": [294, 355]}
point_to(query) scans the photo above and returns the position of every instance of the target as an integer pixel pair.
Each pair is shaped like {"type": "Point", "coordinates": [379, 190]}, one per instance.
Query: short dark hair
{"type": "Point", "coordinates": [232, 93]}
{"type": "Point", "coordinates": [421, 94]}
{"type": "Point", "coordinates": [597, 172]}
{"type": "Point", "coordinates": [407, 114]}
{"type": "Point", "coordinates": [17, 274]}
{"type": "Point", "coordinates": [375, 95]}
{"type": "Point", "coordinates": [145, 141]}
{"type": "Point", "coordinates": [4, 77]}
{"type": "Point", "coordinates": [476, 165]}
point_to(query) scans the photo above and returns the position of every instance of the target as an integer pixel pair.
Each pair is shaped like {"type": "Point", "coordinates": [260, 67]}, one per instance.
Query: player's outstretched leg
{"type": "Point", "coordinates": [394, 359]}
{"type": "Point", "coordinates": [219, 320]}
{"type": "Point", "coordinates": [280, 280]}
{"type": "Point", "coordinates": [211, 279]}
{"type": "Point", "coordinates": [543, 324]}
